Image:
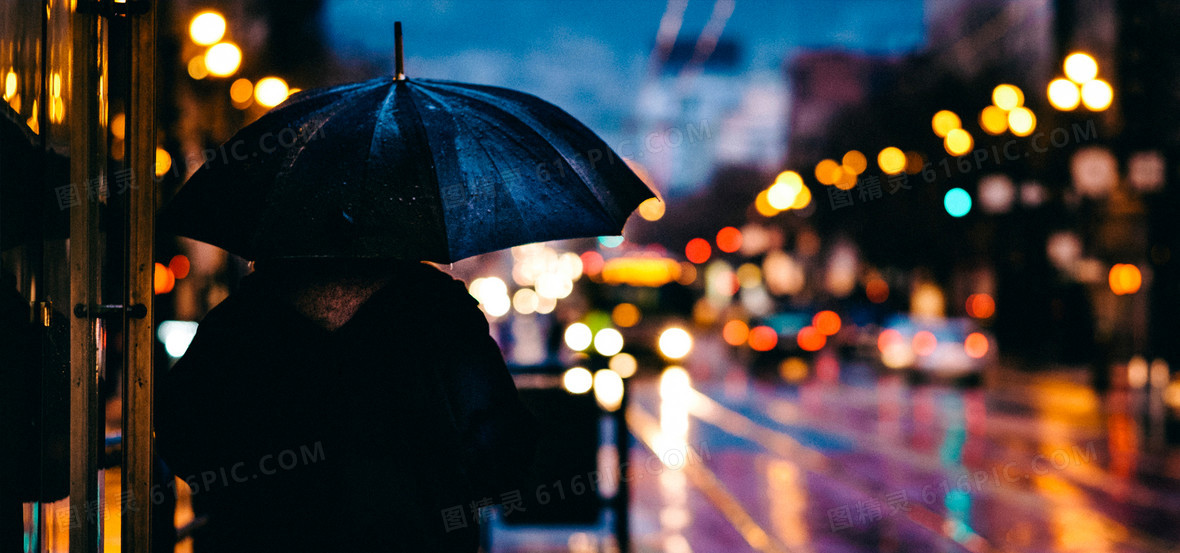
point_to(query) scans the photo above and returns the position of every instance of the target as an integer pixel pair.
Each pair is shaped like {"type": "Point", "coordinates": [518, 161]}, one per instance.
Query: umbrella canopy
{"type": "Point", "coordinates": [405, 168]}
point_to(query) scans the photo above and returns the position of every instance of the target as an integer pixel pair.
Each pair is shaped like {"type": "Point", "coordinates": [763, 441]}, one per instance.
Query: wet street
{"type": "Point", "coordinates": [865, 462]}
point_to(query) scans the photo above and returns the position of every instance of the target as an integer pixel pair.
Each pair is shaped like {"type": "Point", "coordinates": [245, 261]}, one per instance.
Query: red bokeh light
{"type": "Point", "coordinates": [810, 339]}
{"type": "Point", "coordinates": [763, 338]}
{"type": "Point", "coordinates": [980, 306]}
{"type": "Point", "coordinates": [826, 322]}
{"type": "Point", "coordinates": [698, 250]}
{"type": "Point", "coordinates": [179, 266]}
{"type": "Point", "coordinates": [729, 239]}
{"type": "Point", "coordinates": [888, 337]}
{"type": "Point", "coordinates": [877, 290]}
{"type": "Point", "coordinates": [925, 342]}
{"type": "Point", "coordinates": [592, 262]}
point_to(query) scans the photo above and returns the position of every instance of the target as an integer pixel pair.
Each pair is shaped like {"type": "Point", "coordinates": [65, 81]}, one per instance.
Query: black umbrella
{"type": "Point", "coordinates": [405, 168]}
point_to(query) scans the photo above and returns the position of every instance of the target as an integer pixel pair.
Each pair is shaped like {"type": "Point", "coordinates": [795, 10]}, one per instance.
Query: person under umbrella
{"type": "Point", "coordinates": [347, 395]}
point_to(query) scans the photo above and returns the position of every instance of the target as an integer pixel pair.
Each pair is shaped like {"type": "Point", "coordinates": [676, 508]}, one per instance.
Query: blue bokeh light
{"type": "Point", "coordinates": [957, 202]}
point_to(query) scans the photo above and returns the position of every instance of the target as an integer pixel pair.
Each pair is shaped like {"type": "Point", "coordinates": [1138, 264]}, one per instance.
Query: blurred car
{"type": "Point", "coordinates": [948, 349]}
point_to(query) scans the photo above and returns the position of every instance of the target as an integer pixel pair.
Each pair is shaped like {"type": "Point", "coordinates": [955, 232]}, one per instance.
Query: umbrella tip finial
{"type": "Point", "coordinates": [397, 37]}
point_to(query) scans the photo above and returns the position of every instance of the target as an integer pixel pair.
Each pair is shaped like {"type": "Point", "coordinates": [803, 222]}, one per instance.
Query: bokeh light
{"type": "Point", "coordinates": [944, 122]}
{"type": "Point", "coordinates": [957, 202]}
{"type": "Point", "coordinates": [223, 59]}
{"type": "Point", "coordinates": [163, 162]}
{"type": "Point", "coordinates": [729, 239]}
{"type": "Point", "coordinates": [1097, 95]}
{"type": "Point", "coordinates": [993, 120]}
{"type": "Point", "coordinates": [675, 343]}
{"type": "Point", "coordinates": [241, 92]}
{"type": "Point", "coordinates": [577, 380]}
{"type": "Point", "coordinates": [626, 315]}
{"type": "Point", "coordinates": [608, 342]}
{"type": "Point", "coordinates": [610, 241]}
{"type": "Point", "coordinates": [698, 250]}
{"type": "Point", "coordinates": [526, 301]}
{"type": "Point", "coordinates": [980, 306]}
{"type": "Point", "coordinates": [1022, 121]}
{"type": "Point", "coordinates": [1125, 279]}
{"type": "Point", "coordinates": [608, 389]}
{"type": "Point", "coordinates": [179, 265]}
{"type": "Point", "coordinates": [891, 160]}
{"type": "Point", "coordinates": [1080, 67]}
{"type": "Point", "coordinates": [592, 262]}
{"type": "Point", "coordinates": [958, 142]}
{"type": "Point", "coordinates": [826, 171]}
{"type": "Point", "coordinates": [196, 68]}
{"type": "Point", "coordinates": [652, 209]}
{"type": "Point", "coordinates": [578, 336]}
{"type": "Point", "coordinates": [763, 206]}
{"type": "Point", "coordinates": [735, 332]}
{"type": "Point", "coordinates": [793, 369]}
{"type": "Point", "coordinates": [855, 161]}
{"type": "Point", "coordinates": [877, 290]}
{"type": "Point", "coordinates": [624, 364]}
{"type": "Point", "coordinates": [207, 28]}
{"type": "Point", "coordinates": [975, 345]}
{"type": "Point", "coordinates": [763, 338]}
{"type": "Point", "coordinates": [826, 322]}
{"type": "Point", "coordinates": [271, 91]}
{"type": "Point", "coordinates": [810, 339]}
{"type": "Point", "coordinates": [1064, 94]}
{"type": "Point", "coordinates": [1007, 97]}
{"type": "Point", "coordinates": [802, 199]}
{"type": "Point", "coordinates": [887, 338]}
{"type": "Point", "coordinates": [924, 342]}
{"type": "Point", "coordinates": [162, 279]}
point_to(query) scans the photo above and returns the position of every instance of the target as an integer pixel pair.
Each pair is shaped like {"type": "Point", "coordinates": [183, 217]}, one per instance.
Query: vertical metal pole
{"type": "Point", "coordinates": [138, 445]}
{"type": "Point", "coordinates": [623, 494]}
{"type": "Point", "coordinates": [87, 161]}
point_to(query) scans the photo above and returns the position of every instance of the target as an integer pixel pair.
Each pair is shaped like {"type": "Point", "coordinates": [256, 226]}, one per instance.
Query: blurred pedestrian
{"type": "Point", "coordinates": [343, 404]}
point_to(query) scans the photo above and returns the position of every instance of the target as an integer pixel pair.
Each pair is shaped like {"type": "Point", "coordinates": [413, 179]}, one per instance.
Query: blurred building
{"type": "Point", "coordinates": [701, 112]}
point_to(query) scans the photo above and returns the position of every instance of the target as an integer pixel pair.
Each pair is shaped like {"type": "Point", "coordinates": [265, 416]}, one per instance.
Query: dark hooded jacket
{"type": "Point", "coordinates": [382, 435]}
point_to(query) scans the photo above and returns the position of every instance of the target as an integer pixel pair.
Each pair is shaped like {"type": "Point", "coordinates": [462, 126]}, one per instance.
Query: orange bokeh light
{"type": "Point", "coordinates": [698, 250]}
{"type": "Point", "coordinates": [924, 342]}
{"type": "Point", "coordinates": [975, 345]}
{"type": "Point", "coordinates": [1125, 278]}
{"type": "Point", "coordinates": [980, 306]}
{"type": "Point", "coordinates": [826, 322]}
{"type": "Point", "coordinates": [877, 290]}
{"type": "Point", "coordinates": [162, 279]}
{"type": "Point", "coordinates": [888, 337]}
{"type": "Point", "coordinates": [810, 339]}
{"type": "Point", "coordinates": [735, 332]}
{"type": "Point", "coordinates": [729, 239]}
{"type": "Point", "coordinates": [179, 266]}
{"type": "Point", "coordinates": [763, 338]}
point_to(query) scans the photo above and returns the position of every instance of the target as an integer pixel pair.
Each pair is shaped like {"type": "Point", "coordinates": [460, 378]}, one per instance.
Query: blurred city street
{"type": "Point", "coordinates": [862, 462]}
{"type": "Point", "coordinates": [840, 276]}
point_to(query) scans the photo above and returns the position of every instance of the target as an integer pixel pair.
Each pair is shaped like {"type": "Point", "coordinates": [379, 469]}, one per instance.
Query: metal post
{"type": "Point", "coordinates": [141, 203]}
{"type": "Point", "coordinates": [623, 494]}
{"type": "Point", "coordinates": [87, 161]}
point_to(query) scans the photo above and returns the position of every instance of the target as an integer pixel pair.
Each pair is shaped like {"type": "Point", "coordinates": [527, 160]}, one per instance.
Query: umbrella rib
{"type": "Point", "coordinates": [561, 154]}
{"type": "Point", "coordinates": [491, 159]}
{"type": "Point", "coordinates": [415, 116]}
